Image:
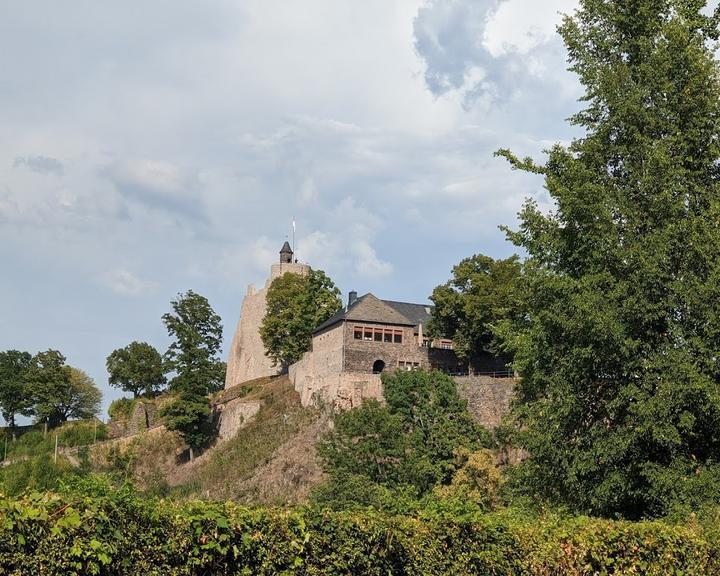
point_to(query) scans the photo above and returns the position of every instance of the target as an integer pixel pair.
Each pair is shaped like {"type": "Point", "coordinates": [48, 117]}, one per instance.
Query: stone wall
{"type": "Point", "coordinates": [143, 417]}
{"type": "Point", "coordinates": [319, 375]}
{"type": "Point", "coordinates": [360, 355]}
{"type": "Point", "coordinates": [247, 359]}
{"type": "Point", "coordinates": [488, 398]}
{"type": "Point", "coordinates": [234, 415]}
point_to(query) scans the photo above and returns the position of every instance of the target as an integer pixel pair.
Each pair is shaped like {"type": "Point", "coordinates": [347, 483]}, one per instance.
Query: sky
{"type": "Point", "coordinates": [149, 148]}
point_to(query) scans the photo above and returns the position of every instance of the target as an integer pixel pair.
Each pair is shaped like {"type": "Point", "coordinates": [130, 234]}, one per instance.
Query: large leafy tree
{"type": "Point", "coordinates": [482, 294]}
{"type": "Point", "coordinates": [59, 391]}
{"type": "Point", "coordinates": [620, 396]}
{"type": "Point", "coordinates": [136, 368]}
{"type": "Point", "coordinates": [410, 444]}
{"type": "Point", "coordinates": [193, 356]}
{"type": "Point", "coordinates": [15, 397]}
{"type": "Point", "coordinates": [296, 306]}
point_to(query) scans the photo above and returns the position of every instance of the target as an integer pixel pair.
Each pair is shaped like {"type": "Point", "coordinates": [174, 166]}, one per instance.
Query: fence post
{"type": "Point", "coordinates": [56, 447]}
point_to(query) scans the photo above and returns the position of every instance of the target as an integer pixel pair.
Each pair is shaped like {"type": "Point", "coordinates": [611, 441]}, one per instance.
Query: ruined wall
{"type": "Point", "coordinates": [234, 415]}
{"type": "Point", "coordinates": [488, 398]}
{"type": "Point", "coordinates": [247, 359]}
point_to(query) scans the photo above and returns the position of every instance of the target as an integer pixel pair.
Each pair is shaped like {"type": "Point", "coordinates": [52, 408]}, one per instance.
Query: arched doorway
{"type": "Point", "coordinates": [378, 366]}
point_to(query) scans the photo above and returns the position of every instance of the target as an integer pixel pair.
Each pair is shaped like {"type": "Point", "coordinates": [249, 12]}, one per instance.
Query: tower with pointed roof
{"type": "Point", "coordinates": [286, 254]}
{"type": "Point", "coordinates": [247, 359]}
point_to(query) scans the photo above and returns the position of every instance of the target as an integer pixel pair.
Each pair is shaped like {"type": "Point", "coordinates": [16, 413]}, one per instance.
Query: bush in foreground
{"type": "Point", "coordinates": [96, 528]}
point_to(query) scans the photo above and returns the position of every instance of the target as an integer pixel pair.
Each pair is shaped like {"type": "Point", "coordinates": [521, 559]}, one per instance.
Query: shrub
{"type": "Point", "coordinates": [97, 526]}
{"type": "Point", "coordinates": [121, 409]}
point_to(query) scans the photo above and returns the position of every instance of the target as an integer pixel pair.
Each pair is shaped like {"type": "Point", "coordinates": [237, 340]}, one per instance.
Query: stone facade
{"type": "Point", "coordinates": [351, 350]}
{"type": "Point", "coordinates": [488, 398]}
{"type": "Point", "coordinates": [247, 359]}
{"type": "Point", "coordinates": [361, 355]}
{"type": "Point", "coordinates": [234, 415]}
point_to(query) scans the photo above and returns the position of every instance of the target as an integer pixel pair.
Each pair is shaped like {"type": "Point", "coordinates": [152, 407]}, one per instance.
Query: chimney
{"type": "Point", "coordinates": [351, 298]}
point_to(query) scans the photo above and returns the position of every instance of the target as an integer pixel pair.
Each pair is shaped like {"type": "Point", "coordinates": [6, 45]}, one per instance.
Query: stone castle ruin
{"type": "Point", "coordinates": [350, 350]}
{"type": "Point", "coordinates": [247, 359]}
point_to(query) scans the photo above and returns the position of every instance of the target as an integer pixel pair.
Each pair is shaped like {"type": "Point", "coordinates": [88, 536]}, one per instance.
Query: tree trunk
{"type": "Point", "coordinates": [192, 455]}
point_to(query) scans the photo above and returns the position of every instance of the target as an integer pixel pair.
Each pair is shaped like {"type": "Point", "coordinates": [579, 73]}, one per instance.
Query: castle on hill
{"type": "Point", "coordinates": [349, 351]}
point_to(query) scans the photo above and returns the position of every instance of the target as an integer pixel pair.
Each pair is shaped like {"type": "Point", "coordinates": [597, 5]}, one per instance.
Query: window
{"type": "Point", "coordinates": [378, 334]}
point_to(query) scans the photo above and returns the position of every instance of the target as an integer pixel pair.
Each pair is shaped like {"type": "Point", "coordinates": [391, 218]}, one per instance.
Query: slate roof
{"type": "Point", "coordinates": [368, 308]}
{"type": "Point", "coordinates": [286, 248]}
{"type": "Point", "coordinates": [417, 313]}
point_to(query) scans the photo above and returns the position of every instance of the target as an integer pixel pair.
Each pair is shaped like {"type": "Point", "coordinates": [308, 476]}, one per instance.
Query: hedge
{"type": "Point", "coordinates": [119, 533]}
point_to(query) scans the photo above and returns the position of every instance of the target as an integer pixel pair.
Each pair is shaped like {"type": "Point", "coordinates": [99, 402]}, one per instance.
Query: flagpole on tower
{"type": "Point", "coordinates": [293, 238]}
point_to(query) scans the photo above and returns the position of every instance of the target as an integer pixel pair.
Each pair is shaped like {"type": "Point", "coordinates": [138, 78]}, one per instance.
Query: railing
{"type": "Point", "coordinates": [493, 374]}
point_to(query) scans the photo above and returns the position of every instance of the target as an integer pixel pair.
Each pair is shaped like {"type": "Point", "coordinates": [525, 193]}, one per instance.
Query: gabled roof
{"type": "Point", "coordinates": [286, 248]}
{"type": "Point", "coordinates": [368, 308]}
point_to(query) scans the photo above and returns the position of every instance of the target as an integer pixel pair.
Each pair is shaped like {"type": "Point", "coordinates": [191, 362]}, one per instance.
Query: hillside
{"type": "Point", "coordinates": [270, 460]}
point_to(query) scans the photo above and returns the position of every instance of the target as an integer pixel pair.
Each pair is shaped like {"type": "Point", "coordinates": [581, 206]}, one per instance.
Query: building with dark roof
{"type": "Point", "coordinates": [366, 337]}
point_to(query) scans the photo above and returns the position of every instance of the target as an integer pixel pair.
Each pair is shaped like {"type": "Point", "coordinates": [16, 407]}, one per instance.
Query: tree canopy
{"type": "Point", "coordinates": [296, 306]}
{"type": "Point", "coordinates": [193, 356]}
{"type": "Point", "coordinates": [619, 400]}
{"type": "Point", "coordinates": [410, 445]}
{"type": "Point", "coordinates": [481, 294]}
{"type": "Point", "coordinates": [59, 391]}
{"type": "Point", "coordinates": [15, 397]}
{"type": "Point", "coordinates": [136, 368]}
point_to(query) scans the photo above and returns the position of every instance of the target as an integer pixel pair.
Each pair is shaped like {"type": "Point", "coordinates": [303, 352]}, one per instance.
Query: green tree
{"type": "Point", "coordinates": [60, 391]}
{"type": "Point", "coordinates": [482, 294]}
{"type": "Point", "coordinates": [410, 445]}
{"type": "Point", "coordinates": [296, 306]}
{"type": "Point", "coordinates": [193, 357]}
{"type": "Point", "coordinates": [136, 368]}
{"type": "Point", "coordinates": [619, 401]}
{"type": "Point", "coordinates": [15, 397]}
{"type": "Point", "coordinates": [368, 441]}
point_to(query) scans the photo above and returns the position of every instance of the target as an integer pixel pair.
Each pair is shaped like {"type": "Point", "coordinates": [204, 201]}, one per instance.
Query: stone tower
{"type": "Point", "coordinates": [247, 359]}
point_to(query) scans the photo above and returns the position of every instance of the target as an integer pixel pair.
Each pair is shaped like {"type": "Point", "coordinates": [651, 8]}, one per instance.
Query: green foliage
{"type": "Point", "coordinates": [193, 356]}
{"type": "Point", "coordinates": [619, 402]}
{"type": "Point", "coordinates": [189, 414]}
{"type": "Point", "coordinates": [97, 526]}
{"type": "Point", "coordinates": [136, 368]}
{"type": "Point", "coordinates": [30, 459]}
{"type": "Point", "coordinates": [410, 445]}
{"type": "Point", "coordinates": [85, 397]}
{"type": "Point", "coordinates": [197, 335]}
{"type": "Point", "coordinates": [481, 294]}
{"type": "Point", "coordinates": [60, 391]}
{"type": "Point", "coordinates": [38, 472]}
{"type": "Point", "coordinates": [296, 306]}
{"type": "Point", "coordinates": [121, 408]}
{"type": "Point", "coordinates": [15, 398]}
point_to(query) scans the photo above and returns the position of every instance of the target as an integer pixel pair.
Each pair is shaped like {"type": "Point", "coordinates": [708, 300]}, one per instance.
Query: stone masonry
{"type": "Point", "coordinates": [247, 359]}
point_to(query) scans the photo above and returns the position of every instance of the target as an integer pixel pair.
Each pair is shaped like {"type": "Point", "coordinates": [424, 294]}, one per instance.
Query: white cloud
{"type": "Point", "coordinates": [190, 134]}
{"type": "Point", "coordinates": [126, 283]}
{"type": "Point", "coordinates": [367, 262]}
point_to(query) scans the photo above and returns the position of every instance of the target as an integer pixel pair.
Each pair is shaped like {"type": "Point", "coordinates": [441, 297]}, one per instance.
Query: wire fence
{"type": "Point", "coordinates": [59, 436]}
